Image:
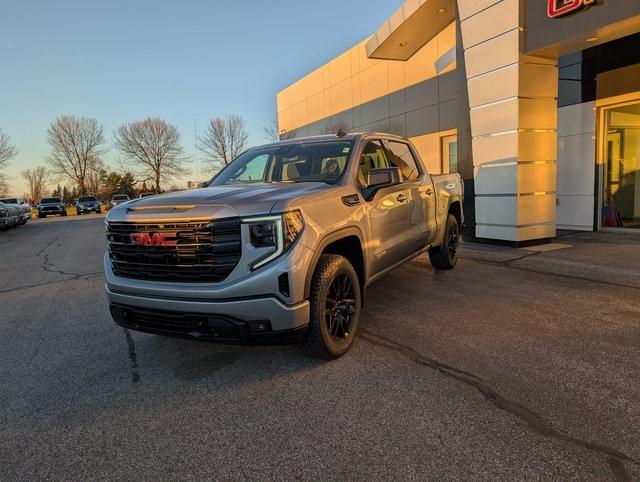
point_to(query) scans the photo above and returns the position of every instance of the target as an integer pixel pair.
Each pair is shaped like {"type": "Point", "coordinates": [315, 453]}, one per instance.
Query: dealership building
{"type": "Point", "coordinates": [536, 103]}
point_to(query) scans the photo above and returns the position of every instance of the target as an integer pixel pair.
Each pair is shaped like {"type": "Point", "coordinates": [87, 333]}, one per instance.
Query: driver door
{"type": "Point", "coordinates": [390, 228]}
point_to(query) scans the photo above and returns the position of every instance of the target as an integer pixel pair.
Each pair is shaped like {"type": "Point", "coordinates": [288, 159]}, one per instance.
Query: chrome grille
{"type": "Point", "coordinates": [199, 252]}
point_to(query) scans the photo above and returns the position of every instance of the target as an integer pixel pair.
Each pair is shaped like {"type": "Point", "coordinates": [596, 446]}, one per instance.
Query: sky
{"type": "Point", "coordinates": [124, 60]}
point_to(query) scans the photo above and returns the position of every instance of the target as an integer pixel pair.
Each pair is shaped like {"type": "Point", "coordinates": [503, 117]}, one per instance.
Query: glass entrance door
{"type": "Point", "coordinates": [621, 200]}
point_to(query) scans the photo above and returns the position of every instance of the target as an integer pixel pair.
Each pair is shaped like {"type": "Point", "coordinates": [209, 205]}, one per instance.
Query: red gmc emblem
{"type": "Point", "coordinates": [154, 239]}
{"type": "Point", "coordinates": [560, 8]}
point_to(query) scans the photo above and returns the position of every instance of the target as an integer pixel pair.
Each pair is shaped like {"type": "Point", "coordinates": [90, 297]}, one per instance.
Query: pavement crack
{"type": "Point", "coordinates": [49, 267]}
{"type": "Point", "coordinates": [507, 264]}
{"type": "Point", "coordinates": [84, 276]}
{"type": "Point", "coordinates": [133, 357]}
{"type": "Point", "coordinates": [539, 424]}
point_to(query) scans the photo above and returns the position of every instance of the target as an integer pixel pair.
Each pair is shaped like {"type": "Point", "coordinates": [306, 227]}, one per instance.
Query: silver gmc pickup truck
{"type": "Point", "coordinates": [281, 244]}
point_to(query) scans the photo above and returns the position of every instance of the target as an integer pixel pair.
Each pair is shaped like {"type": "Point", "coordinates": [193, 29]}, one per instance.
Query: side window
{"type": "Point", "coordinates": [401, 157]}
{"type": "Point", "coordinates": [373, 157]}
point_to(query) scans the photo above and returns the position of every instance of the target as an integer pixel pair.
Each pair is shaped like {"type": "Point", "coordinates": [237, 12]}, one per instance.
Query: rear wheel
{"type": "Point", "coordinates": [335, 308]}
{"type": "Point", "coordinates": [445, 257]}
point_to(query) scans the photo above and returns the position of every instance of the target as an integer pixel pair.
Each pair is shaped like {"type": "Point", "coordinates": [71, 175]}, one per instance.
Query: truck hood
{"type": "Point", "coordinates": [214, 202]}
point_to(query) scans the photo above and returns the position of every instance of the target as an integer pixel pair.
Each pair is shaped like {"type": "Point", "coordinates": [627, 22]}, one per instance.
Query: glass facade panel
{"type": "Point", "coordinates": [622, 167]}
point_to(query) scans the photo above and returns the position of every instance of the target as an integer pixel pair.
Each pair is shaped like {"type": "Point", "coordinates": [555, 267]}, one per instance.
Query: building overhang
{"type": "Point", "coordinates": [414, 24]}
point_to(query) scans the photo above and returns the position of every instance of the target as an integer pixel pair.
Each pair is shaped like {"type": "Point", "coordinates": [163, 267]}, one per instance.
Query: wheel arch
{"type": "Point", "coordinates": [347, 242]}
{"type": "Point", "coordinates": [455, 208]}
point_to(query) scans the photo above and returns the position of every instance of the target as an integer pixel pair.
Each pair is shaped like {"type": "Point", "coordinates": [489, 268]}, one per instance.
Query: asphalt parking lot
{"type": "Point", "coordinates": [519, 364]}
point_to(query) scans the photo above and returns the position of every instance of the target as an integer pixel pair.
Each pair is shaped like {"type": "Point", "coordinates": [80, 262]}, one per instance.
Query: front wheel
{"type": "Point", "coordinates": [445, 256]}
{"type": "Point", "coordinates": [335, 308]}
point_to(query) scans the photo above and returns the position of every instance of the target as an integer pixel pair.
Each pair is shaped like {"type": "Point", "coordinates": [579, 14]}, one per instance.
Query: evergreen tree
{"type": "Point", "coordinates": [128, 185]}
{"type": "Point", "coordinates": [65, 195]}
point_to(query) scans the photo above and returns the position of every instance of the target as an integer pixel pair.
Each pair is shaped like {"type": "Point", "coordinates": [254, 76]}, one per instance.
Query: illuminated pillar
{"type": "Point", "coordinates": [513, 113]}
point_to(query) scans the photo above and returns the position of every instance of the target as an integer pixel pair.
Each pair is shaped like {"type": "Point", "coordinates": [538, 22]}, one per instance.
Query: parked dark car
{"type": "Point", "coordinates": [51, 206]}
{"type": "Point", "coordinates": [8, 216]}
{"type": "Point", "coordinates": [87, 204]}
{"type": "Point", "coordinates": [24, 210]}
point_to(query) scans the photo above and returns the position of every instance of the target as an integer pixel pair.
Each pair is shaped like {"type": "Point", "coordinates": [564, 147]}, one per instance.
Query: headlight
{"type": "Point", "coordinates": [277, 232]}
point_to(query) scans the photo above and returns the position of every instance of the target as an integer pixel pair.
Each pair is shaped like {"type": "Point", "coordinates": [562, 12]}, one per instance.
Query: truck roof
{"type": "Point", "coordinates": [330, 137]}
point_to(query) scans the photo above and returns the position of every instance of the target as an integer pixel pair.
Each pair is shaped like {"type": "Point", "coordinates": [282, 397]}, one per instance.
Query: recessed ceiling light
{"type": "Point", "coordinates": [442, 10]}
{"type": "Point", "coordinates": [592, 39]}
{"type": "Point", "coordinates": [402, 44]}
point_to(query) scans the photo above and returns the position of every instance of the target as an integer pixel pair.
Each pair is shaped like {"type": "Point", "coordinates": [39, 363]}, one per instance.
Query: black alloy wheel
{"type": "Point", "coordinates": [335, 304]}
{"type": "Point", "coordinates": [453, 240]}
{"type": "Point", "coordinates": [340, 308]}
{"type": "Point", "coordinates": [445, 256]}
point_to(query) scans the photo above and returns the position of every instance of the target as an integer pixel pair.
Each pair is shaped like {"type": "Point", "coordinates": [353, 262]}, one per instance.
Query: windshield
{"type": "Point", "coordinates": [51, 200]}
{"type": "Point", "coordinates": [87, 199]}
{"type": "Point", "coordinates": [311, 161]}
{"type": "Point", "coordinates": [10, 201]}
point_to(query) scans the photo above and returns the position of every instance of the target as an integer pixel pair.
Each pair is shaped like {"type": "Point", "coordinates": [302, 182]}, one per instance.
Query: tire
{"type": "Point", "coordinates": [331, 335]}
{"type": "Point", "coordinates": [64, 213]}
{"type": "Point", "coordinates": [41, 216]}
{"type": "Point", "coordinates": [445, 257]}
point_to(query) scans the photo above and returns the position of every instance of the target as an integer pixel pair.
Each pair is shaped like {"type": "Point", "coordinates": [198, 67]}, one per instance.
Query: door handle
{"type": "Point", "coordinates": [429, 191]}
{"type": "Point", "coordinates": [401, 198]}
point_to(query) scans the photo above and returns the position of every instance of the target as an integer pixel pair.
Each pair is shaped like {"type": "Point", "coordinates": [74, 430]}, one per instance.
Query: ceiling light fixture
{"type": "Point", "coordinates": [592, 39]}
{"type": "Point", "coordinates": [442, 10]}
{"type": "Point", "coordinates": [402, 44]}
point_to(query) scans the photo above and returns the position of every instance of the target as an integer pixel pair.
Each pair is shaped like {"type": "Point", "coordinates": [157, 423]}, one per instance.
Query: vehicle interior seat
{"type": "Point", "coordinates": [366, 164]}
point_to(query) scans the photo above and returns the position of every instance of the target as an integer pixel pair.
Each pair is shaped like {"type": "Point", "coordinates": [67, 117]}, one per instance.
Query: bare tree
{"type": "Point", "coordinates": [223, 140]}
{"type": "Point", "coordinates": [37, 180]}
{"type": "Point", "coordinates": [7, 152]}
{"type": "Point", "coordinates": [153, 146]}
{"type": "Point", "coordinates": [273, 133]}
{"type": "Point", "coordinates": [76, 146]}
{"type": "Point", "coordinates": [95, 175]}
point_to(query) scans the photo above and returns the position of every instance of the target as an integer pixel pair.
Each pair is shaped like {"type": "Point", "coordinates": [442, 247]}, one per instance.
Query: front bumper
{"type": "Point", "coordinates": [252, 320]}
{"type": "Point", "coordinates": [88, 209]}
{"type": "Point", "coordinates": [52, 210]}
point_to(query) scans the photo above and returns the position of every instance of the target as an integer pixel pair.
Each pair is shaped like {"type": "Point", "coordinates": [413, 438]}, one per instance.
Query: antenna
{"type": "Point", "coordinates": [195, 146]}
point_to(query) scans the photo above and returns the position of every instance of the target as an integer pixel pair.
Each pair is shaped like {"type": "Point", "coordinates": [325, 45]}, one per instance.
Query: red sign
{"type": "Point", "coordinates": [154, 239]}
{"type": "Point", "coordinates": [560, 8]}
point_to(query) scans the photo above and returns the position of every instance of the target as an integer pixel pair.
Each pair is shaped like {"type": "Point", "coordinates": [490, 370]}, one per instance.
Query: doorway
{"type": "Point", "coordinates": [620, 149]}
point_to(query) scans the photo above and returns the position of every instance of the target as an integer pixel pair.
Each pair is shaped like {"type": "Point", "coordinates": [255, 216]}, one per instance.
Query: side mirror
{"type": "Point", "coordinates": [202, 184]}
{"type": "Point", "coordinates": [381, 178]}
